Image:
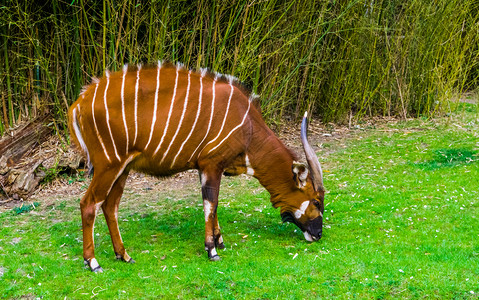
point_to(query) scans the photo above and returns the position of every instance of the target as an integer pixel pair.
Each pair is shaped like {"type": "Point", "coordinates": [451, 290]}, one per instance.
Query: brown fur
{"type": "Point", "coordinates": [244, 135]}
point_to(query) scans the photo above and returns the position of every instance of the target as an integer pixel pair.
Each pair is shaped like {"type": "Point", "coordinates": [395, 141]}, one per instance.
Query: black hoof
{"type": "Point", "coordinates": [88, 265]}
{"type": "Point", "coordinates": [130, 261]}
{"type": "Point", "coordinates": [221, 246]}
{"type": "Point", "coordinates": [215, 258]}
{"type": "Point", "coordinates": [97, 270]}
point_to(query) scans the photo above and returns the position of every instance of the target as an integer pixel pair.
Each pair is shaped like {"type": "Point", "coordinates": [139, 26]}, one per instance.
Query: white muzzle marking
{"type": "Point", "coordinates": [308, 236]}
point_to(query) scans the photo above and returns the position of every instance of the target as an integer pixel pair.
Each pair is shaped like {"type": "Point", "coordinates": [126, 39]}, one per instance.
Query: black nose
{"type": "Point", "coordinates": [315, 228]}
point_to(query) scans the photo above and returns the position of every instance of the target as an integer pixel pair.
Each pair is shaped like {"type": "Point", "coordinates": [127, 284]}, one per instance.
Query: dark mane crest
{"type": "Point", "coordinates": [223, 78]}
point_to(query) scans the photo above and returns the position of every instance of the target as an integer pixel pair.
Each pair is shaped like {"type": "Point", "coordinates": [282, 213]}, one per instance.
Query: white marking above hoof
{"type": "Point", "coordinates": [95, 266]}
{"type": "Point", "coordinates": [213, 255]}
{"type": "Point", "coordinates": [94, 263]}
{"type": "Point", "coordinates": [213, 252]}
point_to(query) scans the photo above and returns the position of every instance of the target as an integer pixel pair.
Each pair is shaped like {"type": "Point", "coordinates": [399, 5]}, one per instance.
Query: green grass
{"type": "Point", "coordinates": [402, 222]}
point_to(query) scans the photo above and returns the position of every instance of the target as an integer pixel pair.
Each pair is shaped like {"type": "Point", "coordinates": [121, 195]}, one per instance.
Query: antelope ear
{"type": "Point", "coordinates": [300, 174]}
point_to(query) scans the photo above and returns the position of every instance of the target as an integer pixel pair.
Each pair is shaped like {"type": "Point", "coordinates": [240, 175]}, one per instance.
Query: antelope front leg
{"type": "Point", "coordinates": [98, 191]}
{"type": "Point", "coordinates": [210, 183]}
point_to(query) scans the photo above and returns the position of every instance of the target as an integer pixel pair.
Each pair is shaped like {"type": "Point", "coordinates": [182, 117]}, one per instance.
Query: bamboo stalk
{"type": "Point", "coordinates": [104, 35]}
{"type": "Point", "coordinates": [5, 115]}
{"type": "Point", "coordinates": [11, 115]}
{"type": "Point", "coordinates": [338, 59]}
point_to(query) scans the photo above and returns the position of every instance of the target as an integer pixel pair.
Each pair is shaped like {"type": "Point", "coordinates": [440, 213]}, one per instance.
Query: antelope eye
{"type": "Point", "coordinates": [316, 203]}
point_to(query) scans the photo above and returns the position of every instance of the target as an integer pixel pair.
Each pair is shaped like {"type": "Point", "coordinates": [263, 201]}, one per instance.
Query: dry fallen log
{"type": "Point", "coordinates": [18, 177]}
{"type": "Point", "coordinates": [23, 140]}
{"type": "Point", "coordinates": [27, 155]}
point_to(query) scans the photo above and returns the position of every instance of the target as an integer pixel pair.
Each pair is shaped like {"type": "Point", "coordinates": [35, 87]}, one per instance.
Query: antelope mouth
{"type": "Point", "coordinates": [311, 238]}
{"type": "Point", "coordinates": [287, 217]}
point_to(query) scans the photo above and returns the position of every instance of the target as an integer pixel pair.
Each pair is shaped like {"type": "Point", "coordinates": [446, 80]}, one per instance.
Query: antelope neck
{"type": "Point", "coordinates": [272, 162]}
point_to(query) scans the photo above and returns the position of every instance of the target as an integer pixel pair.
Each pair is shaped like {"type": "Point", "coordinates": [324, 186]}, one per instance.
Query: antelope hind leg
{"type": "Point", "coordinates": [110, 211]}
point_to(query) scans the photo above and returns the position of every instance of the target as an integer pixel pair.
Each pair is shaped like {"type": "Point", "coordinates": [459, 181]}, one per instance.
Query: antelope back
{"type": "Point", "coordinates": [168, 116]}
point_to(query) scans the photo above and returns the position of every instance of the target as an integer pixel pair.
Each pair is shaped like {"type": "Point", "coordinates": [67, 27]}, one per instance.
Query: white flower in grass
{"type": "Point", "coordinates": [400, 270]}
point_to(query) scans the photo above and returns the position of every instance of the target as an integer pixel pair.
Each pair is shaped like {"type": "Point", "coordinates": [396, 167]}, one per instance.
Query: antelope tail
{"type": "Point", "coordinates": [78, 138]}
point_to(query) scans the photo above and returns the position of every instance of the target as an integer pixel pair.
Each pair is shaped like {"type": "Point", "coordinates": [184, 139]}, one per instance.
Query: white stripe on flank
{"type": "Point", "coordinates": [121, 170]}
{"type": "Point", "coordinates": [185, 105]}
{"type": "Point", "coordinates": [125, 69]}
{"type": "Point", "coordinates": [226, 113]}
{"type": "Point", "coordinates": [234, 129]}
{"type": "Point", "coordinates": [211, 118]}
{"type": "Point", "coordinates": [203, 73]}
{"type": "Point", "coordinates": [108, 114]}
{"type": "Point", "coordinates": [169, 112]}
{"type": "Point", "coordinates": [94, 122]}
{"type": "Point", "coordinates": [155, 105]}
{"type": "Point", "coordinates": [137, 85]}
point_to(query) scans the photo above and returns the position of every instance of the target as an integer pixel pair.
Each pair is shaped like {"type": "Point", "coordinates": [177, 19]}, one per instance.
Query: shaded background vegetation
{"type": "Point", "coordinates": [336, 58]}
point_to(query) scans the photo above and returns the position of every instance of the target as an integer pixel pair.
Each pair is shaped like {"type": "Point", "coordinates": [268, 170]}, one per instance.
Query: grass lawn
{"type": "Point", "coordinates": [401, 222]}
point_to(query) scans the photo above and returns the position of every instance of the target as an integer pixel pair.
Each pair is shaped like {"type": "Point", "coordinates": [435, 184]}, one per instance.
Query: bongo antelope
{"type": "Point", "coordinates": [165, 119]}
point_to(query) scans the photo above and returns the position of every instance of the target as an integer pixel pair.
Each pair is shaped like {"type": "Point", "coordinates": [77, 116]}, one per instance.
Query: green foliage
{"type": "Point", "coordinates": [393, 230]}
{"type": "Point", "coordinates": [50, 173]}
{"type": "Point", "coordinates": [25, 208]}
{"type": "Point", "coordinates": [77, 177]}
{"type": "Point", "coordinates": [336, 59]}
{"type": "Point", "coordinates": [63, 172]}
{"type": "Point", "coordinates": [449, 158]}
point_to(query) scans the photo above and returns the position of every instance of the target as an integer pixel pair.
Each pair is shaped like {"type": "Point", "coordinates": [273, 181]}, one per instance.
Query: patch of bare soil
{"type": "Point", "coordinates": [184, 183]}
{"type": "Point", "coordinates": [471, 97]}
{"type": "Point", "coordinates": [187, 183]}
